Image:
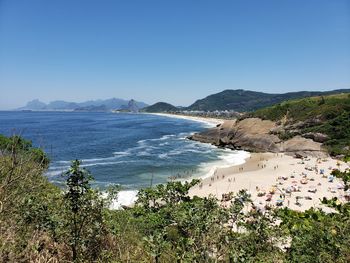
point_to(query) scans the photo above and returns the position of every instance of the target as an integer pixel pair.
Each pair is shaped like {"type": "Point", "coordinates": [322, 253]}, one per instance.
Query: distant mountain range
{"type": "Point", "coordinates": [92, 105]}
{"type": "Point", "coordinates": [240, 100]}
{"type": "Point", "coordinates": [231, 100]}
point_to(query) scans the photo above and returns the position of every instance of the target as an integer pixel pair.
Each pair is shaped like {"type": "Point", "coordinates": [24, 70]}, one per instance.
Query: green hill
{"type": "Point", "coordinates": [329, 115]}
{"type": "Point", "coordinates": [160, 107]}
{"type": "Point", "coordinates": [245, 100]}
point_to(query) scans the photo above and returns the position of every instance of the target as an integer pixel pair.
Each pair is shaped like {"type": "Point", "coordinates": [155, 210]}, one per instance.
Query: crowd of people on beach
{"type": "Point", "coordinates": [300, 188]}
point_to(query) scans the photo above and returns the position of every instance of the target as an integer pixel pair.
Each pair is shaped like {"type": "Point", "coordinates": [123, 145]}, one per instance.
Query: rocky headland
{"type": "Point", "coordinates": [257, 135]}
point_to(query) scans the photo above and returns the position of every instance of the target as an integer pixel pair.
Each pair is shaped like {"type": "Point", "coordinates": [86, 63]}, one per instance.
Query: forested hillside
{"type": "Point", "coordinates": [160, 107]}
{"type": "Point", "coordinates": [246, 100]}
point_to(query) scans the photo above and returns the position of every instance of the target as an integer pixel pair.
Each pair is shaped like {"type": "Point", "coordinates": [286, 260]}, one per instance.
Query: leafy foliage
{"type": "Point", "coordinates": [18, 145]}
{"type": "Point", "coordinates": [83, 216]}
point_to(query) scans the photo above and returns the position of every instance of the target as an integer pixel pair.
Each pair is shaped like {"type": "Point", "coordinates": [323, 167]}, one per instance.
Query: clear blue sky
{"type": "Point", "coordinates": [175, 51]}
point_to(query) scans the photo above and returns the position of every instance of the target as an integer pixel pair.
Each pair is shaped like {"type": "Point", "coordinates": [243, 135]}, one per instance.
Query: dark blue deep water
{"type": "Point", "coordinates": [127, 149]}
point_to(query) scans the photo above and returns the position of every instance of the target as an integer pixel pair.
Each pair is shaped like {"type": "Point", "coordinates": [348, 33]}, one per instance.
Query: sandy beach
{"type": "Point", "coordinates": [273, 179]}
{"type": "Point", "coordinates": [210, 121]}
{"type": "Point", "coordinates": [279, 177]}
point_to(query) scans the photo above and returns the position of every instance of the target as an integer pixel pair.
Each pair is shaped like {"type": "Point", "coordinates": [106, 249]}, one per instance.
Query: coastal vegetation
{"type": "Point", "coordinates": [328, 116]}
{"type": "Point", "coordinates": [246, 100]}
{"type": "Point", "coordinates": [41, 223]}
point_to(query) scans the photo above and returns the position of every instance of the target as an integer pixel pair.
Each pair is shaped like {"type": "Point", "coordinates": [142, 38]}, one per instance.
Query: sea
{"type": "Point", "coordinates": [132, 150]}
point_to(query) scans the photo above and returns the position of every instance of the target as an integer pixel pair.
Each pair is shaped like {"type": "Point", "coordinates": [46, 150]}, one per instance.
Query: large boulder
{"type": "Point", "coordinates": [316, 136]}
{"type": "Point", "coordinates": [300, 146]}
{"type": "Point", "coordinates": [256, 135]}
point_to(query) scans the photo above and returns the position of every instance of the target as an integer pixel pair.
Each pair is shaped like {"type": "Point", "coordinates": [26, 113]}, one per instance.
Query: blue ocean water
{"type": "Point", "coordinates": [134, 150]}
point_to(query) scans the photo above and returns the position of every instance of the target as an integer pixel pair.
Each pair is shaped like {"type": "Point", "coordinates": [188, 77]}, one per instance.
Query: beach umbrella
{"type": "Point", "coordinates": [272, 190]}
{"type": "Point", "coordinates": [333, 190]}
{"type": "Point", "coordinates": [347, 195]}
{"type": "Point", "coordinates": [268, 197]}
{"type": "Point", "coordinates": [279, 202]}
{"type": "Point", "coordinates": [340, 186]}
{"type": "Point", "coordinates": [261, 193]}
{"type": "Point", "coordinates": [312, 189]}
{"type": "Point", "coordinates": [303, 181]}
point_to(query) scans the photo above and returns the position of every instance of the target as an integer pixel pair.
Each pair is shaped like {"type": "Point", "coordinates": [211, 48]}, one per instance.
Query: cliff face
{"type": "Point", "coordinates": [256, 135]}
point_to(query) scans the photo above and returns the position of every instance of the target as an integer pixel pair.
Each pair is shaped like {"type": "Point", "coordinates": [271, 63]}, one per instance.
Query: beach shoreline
{"type": "Point", "coordinates": [269, 176]}
{"type": "Point", "coordinates": [263, 173]}
{"type": "Point", "coordinates": [210, 121]}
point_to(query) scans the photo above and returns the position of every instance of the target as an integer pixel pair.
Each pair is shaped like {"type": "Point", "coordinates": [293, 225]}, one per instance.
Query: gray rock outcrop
{"type": "Point", "coordinates": [256, 135]}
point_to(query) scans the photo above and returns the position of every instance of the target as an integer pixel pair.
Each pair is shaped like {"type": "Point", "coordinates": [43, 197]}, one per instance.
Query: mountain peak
{"type": "Point", "coordinates": [161, 107]}
{"type": "Point", "coordinates": [35, 104]}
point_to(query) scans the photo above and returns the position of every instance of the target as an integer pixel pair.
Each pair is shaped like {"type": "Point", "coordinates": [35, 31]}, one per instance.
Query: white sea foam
{"type": "Point", "coordinates": [208, 122]}
{"type": "Point", "coordinates": [103, 163]}
{"type": "Point", "coordinates": [163, 155]}
{"type": "Point", "coordinates": [144, 153]}
{"type": "Point", "coordinates": [227, 158]}
{"type": "Point", "coordinates": [57, 170]}
{"type": "Point", "coordinates": [163, 138]}
{"type": "Point", "coordinates": [235, 158]}
{"type": "Point", "coordinates": [91, 160]}
{"type": "Point", "coordinates": [98, 159]}
{"type": "Point", "coordinates": [64, 162]}
{"type": "Point", "coordinates": [122, 153]}
{"type": "Point", "coordinates": [127, 197]}
{"type": "Point", "coordinates": [54, 173]}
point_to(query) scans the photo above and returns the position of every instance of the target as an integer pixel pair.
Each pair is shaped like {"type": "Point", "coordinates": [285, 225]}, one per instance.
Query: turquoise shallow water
{"type": "Point", "coordinates": [133, 150]}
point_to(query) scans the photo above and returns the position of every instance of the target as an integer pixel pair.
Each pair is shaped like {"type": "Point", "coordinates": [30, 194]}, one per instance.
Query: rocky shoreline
{"type": "Point", "coordinates": [257, 135]}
